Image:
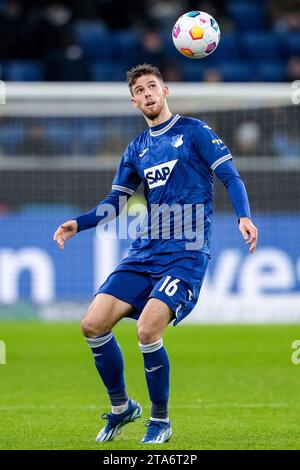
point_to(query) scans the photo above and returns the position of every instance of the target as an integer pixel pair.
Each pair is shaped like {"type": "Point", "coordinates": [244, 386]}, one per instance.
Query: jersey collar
{"type": "Point", "coordinates": [164, 127]}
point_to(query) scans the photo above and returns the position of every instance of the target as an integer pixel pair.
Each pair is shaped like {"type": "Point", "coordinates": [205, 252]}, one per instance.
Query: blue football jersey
{"type": "Point", "coordinates": [175, 160]}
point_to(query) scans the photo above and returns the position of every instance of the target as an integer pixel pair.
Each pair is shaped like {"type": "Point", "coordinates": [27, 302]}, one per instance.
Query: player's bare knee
{"type": "Point", "coordinates": [91, 329]}
{"type": "Point", "coordinates": [87, 328]}
{"type": "Point", "coordinates": [147, 335]}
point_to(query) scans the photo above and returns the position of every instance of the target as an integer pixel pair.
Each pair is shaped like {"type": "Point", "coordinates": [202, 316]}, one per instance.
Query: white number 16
{"type": "Point", "coordinates": [169, 287]}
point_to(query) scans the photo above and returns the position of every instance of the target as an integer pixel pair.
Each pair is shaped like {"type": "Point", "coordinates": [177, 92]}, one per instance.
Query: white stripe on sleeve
{"type": "Point", "coordinates": [221, 160]}
{"type": "Point", "coordinates": [124, 189]}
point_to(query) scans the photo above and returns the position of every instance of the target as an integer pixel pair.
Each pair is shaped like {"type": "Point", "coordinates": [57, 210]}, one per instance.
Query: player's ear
{"type": "Point", "coordinates": [166, 91]}
{"type": "Point", "coordinates": [133, 102]}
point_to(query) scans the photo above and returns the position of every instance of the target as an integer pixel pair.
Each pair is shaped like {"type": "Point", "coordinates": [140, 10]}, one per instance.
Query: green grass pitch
{"type": "Point", "coordinates": [232, 387]}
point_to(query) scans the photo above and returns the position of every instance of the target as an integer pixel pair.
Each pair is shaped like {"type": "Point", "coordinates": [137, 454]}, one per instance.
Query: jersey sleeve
{"type": "Point", "coordinates": [95, 216]}
{"type": "Point", "coordinates": [234, 184]}
{"type": "Point", "coordinates": [126, 179]}
{"type": "Point", "coordinates": [209, 146]}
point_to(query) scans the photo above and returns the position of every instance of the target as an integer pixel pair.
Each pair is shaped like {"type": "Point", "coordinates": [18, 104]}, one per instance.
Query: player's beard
{"type": "Point", "coordinates": [153, 113]}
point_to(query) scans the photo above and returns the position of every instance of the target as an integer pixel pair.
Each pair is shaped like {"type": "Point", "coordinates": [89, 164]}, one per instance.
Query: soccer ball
{"type": "Point", "coordinates": [196, 34]}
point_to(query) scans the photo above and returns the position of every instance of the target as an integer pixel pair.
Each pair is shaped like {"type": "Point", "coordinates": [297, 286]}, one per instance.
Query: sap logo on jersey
{"type": "Point", "coordinates": [158, 175]}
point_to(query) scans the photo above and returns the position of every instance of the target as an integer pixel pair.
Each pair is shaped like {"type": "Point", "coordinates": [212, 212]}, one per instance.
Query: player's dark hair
{"type": "Point", "coordinates": [139, 71]}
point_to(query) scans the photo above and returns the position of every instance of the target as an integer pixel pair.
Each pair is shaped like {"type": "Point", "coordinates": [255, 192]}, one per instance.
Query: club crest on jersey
{"type": "Point", "coordinates": [177, 140]}
{"type": "Point", "coordinates": [158, 175]}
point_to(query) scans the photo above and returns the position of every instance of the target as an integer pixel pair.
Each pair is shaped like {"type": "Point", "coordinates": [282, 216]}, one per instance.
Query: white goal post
{"type": "Point", "coordinates": [113, 99]}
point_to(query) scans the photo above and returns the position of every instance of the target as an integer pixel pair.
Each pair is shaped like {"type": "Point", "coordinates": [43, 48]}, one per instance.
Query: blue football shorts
{"type": "Point", "coordinates": [173, 278]}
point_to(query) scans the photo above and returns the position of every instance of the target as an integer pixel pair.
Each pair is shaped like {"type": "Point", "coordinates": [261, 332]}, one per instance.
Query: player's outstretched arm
{"type": "Point", "coordinates": [64, 232]}
{"type": "Point", "coordinates": [229, 176]}
{"type": "Point", "coordinates": [116, 200]}
{"type": "Point", "coordinates": [249, 232]}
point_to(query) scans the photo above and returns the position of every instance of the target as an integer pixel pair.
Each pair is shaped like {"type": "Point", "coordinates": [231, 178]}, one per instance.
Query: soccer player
{"type": "Point", "coordinates": [160, 279]}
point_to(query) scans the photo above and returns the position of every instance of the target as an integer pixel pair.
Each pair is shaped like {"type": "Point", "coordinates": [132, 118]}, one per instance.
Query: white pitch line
{"type": "Point", "coordinates": [234, 405]}
{"type": "Point", "coordinates": [48, 407]}
{"type": "Point", "coordinates": [243, 405]}
{"type": "Point", "coordinates": [187, 406]}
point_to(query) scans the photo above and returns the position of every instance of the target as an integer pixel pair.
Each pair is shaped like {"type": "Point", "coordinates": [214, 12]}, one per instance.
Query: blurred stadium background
{"type": "Point", "coordinates": [61, 139]}
{"type": "Point", "coordinates": [63, 128]}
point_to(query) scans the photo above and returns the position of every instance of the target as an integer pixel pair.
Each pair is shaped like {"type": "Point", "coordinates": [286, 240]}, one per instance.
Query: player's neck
{"type": "Point", "coordinates": [162, 117]}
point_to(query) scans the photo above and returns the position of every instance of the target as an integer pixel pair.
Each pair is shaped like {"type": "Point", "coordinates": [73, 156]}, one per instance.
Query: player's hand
{"type": "Point", "coordinates": [249, 232]}
{"type": "Point", "coordinates": [64, 232]}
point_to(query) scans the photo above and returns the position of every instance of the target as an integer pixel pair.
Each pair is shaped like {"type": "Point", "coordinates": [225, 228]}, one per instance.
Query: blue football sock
{"type": "Point", "coordinates": [110, 365]}
{"type": "Point", "coordinates": [157, 369]}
